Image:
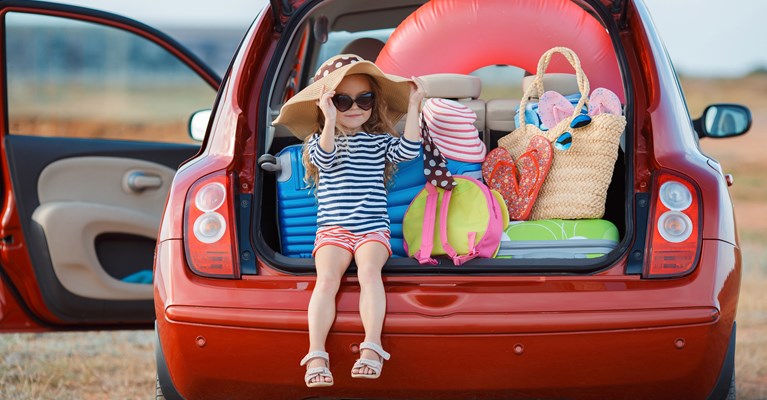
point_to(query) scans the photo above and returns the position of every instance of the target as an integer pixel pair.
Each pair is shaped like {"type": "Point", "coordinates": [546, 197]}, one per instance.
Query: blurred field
{"type": "Point", "coordinates": [123, 113]}
{"type": "Point", "coordinates": [744, 158]}
{"type": "Point", "coordinates": [120, 365]}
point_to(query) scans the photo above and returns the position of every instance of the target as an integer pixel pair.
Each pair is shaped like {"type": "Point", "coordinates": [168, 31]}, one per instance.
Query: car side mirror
{"type": "Point", "coordinates": [723, 121]}
{"type": "Point", "coordinates": [198, 124]}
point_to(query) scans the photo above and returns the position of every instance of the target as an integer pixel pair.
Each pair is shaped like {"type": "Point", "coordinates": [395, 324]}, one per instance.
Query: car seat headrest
{"type": "Point", "coordinates": [367, 48]}
{"type": "Point", "coordinates": [452, 86]}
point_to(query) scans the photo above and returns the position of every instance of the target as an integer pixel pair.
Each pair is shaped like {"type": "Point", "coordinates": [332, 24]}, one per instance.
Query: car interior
{"type": "Point", "coordinates": [492, 91]}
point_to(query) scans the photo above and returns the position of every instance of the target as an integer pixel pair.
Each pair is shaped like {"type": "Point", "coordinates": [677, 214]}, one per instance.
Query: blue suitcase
{"type": "Point", "coordinates": [297, 206]}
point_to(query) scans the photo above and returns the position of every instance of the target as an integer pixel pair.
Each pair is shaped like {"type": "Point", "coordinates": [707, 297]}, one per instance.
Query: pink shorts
{"type": "Point", "coordinates": [340, 237]}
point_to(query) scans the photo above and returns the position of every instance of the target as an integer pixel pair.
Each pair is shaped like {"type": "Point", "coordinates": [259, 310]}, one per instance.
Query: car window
{"type": "Point", "coordinates": [69, 78]}
{"type": "Point", "coordinates": [679, 88]}
{"type": "Point", "coordinates": [337, 40]}
{"type": "Point", "coordinates": [498, 81]}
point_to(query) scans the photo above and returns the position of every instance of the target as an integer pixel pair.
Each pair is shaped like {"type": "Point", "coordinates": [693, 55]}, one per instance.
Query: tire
{"type": "Point", "coordinates": [731, 394]}
{"type": "Point", "coordinates": [158, 390]}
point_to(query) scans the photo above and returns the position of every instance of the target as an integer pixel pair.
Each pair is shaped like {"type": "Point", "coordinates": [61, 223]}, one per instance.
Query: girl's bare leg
{"type": "Point", "coordinates": [370, 258]}
{"type": "Point", "coordinates": [331, 263]}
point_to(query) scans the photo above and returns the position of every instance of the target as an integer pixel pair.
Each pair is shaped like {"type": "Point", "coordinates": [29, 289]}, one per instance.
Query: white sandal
{"type": "Point", "coordinates": [319, 372]}
{"type": "Point", "coordinates": [375, 365]}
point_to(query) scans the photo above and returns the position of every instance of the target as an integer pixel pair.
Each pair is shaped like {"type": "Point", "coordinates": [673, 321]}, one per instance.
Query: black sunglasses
{"type": "Point", "coordinates": [343, 102]}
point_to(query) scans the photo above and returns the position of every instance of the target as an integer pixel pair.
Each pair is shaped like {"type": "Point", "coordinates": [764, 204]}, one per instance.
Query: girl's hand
{"type": "Point", "coordinates": [327, 107]}
{"type": "Point", "coordinates": [417, 92]}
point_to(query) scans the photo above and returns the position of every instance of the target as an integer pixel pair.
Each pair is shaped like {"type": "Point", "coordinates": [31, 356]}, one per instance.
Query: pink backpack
{"type": "Point", "coordinates": [471, 220]}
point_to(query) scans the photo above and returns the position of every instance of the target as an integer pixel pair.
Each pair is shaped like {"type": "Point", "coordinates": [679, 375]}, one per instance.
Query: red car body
{"type": "Point", "coordinates": [614, 328]}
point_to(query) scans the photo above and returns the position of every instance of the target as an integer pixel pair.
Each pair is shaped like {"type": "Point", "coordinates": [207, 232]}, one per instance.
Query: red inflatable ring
{"type": "Point", "coordinates": [461, 36]}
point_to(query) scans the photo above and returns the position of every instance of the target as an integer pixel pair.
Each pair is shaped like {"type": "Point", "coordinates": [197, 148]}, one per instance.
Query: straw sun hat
{"type": "Point", "coordinates": [299, 114]}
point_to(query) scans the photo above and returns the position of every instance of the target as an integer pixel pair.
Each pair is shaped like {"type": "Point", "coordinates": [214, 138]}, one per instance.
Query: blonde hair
{"type": "Point", "coordinates": [377, 124]}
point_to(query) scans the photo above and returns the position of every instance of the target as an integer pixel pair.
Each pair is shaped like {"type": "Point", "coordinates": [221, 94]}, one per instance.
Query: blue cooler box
{"type": "Point", "coordinates": [297, 206]}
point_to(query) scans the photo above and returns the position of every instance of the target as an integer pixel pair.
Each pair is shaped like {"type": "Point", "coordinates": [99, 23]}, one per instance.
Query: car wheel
{"type": "Point", "coordinates": [159, 396]}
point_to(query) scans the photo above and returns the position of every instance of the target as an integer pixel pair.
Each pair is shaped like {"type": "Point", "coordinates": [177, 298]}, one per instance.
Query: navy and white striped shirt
{"type": "Point", "coordinates": [351, 191]}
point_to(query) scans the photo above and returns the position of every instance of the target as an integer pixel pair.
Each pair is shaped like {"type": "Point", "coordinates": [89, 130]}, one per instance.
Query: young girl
{"type": "Point", "coordinates": [350, 160]}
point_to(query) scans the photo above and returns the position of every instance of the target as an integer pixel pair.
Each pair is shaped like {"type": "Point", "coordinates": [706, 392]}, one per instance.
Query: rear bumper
{"type": "Point", "coordinates": [520, 337]}
{"type": "Point", "coordinates": [459, 324]}
{"type": "Point", "coordinates": [682, 361]}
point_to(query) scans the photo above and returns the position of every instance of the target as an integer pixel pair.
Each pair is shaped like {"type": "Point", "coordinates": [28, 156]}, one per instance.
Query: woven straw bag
{"type": "Point", "coordinates": [576, 186]}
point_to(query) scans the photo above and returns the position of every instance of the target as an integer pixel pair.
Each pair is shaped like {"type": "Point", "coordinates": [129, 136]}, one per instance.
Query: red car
{"type": "Point", "coordinates": [85, 178]}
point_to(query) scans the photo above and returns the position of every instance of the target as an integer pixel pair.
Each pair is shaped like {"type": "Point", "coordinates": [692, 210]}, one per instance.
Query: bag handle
{"type": "Point", "coordinates": [423, 255]}
{"type": "Point", "coordinates": [537, 85]}
{"type": "Point", "coordinates": [472, 236]}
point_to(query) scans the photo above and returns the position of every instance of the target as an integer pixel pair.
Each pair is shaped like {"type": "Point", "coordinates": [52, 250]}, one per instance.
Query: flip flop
{"type": "Point", "coordinates": [492, 161]}
{"type": "Point", "coordinates": [532, 168]}
{"type": "Point", "coordinates": [553, 108]}
{"type": "Point", "coordinates": [503, 179]}
{"type": "Point", "coordinates": [604, 101]}
{"type": "Point", "coordinates": [519, 182]}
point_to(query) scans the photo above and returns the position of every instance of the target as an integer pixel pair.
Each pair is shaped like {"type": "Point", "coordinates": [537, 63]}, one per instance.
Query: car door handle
{"type": "Point", "coordinates": [141, 181]}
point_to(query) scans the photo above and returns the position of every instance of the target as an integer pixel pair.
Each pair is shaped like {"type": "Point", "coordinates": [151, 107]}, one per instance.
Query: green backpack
{"type": "Point", "coordinates": [462, 223]}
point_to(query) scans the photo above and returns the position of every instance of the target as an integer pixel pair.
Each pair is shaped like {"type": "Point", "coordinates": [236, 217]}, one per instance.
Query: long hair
{"type": "Point", "coordinates": [377, 124]}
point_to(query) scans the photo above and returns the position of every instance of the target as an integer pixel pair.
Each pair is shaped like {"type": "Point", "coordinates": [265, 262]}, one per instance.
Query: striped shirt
{"type": "Point", "coordinates": [351, 191]}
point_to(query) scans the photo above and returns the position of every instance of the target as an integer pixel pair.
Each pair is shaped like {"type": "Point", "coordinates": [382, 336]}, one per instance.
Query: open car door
{"type": "Point", "coordinates": [94, 124]}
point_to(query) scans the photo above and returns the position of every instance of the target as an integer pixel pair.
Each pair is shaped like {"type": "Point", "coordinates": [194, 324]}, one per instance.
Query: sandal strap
{"type": "Point", "coordinates": [375, 347]}
{"type": "Point", "coordinates": [315, 354]}
{"type": "Point", "coordinates": [375, 365]}
{"type": "Point", "coordinates": [322, 372]}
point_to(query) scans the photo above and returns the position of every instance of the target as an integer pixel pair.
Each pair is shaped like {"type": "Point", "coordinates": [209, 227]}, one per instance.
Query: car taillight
{"type": "Point", "coordinates": [209, 229]}
{"type": "Point", "coordinates": [676, 219]}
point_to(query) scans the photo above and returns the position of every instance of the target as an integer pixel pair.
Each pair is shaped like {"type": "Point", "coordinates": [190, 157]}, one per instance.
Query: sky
{"type": "Point", "coordinates": [703, 37]}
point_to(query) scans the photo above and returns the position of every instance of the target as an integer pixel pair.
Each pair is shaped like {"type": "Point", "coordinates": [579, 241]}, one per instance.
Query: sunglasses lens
{"type": "Point", "coordinates": [365, 101]}
{"type": "Point", "coordinates": [342, 102]}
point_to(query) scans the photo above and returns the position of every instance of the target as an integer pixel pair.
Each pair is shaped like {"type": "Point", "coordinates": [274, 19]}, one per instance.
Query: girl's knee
{"type": "Point", "coordinates": [328, 284]}
{"type": "Point", "coordinates": [368, 275]}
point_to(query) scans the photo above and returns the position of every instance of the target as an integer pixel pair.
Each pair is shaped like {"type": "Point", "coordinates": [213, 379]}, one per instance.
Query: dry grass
{"type": "Point", "coordinates": [120, 365]}
{"type": "Point", "coordinates": [751, 354]}
{"type": "Point", "coordinates": [96, 365]}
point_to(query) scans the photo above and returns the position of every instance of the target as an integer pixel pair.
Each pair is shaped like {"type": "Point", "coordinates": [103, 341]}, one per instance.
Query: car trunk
{"type": "Point", "coordinates": [576, 255]}
{"type": "Point", "coordinates": [275, 243]}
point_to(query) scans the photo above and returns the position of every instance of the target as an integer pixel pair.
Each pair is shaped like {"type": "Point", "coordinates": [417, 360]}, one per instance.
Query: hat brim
{"type": "Point", "coordinates": [465, 150]}
{"type": "Point", "coordinates": [300, 113]}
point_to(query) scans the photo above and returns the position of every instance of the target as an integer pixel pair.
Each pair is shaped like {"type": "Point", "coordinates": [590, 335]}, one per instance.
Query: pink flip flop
{"type": "Point", "coordinates": [604, 101]}
{"type": "Point", "coordinates": [553, 108]}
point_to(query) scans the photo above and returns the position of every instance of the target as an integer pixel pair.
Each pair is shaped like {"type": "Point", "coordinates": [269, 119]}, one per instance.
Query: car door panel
{"type": "Point", "coordinates": [84, 198]}
{"type": "Point", "coordinates": [75, 192]}
{"type": "Point", "coordinates": [94, 127]}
